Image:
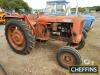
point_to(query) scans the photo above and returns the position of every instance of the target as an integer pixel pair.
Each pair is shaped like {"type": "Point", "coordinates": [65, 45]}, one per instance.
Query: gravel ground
{"type": "Point", "coordinates": [41, 61]}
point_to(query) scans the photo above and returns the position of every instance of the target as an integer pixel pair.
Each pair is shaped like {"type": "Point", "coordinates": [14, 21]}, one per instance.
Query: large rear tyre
{"type": "Point", "coordinates": [19, 36]}
{"type": "Point", "coordinates": [67, 57]}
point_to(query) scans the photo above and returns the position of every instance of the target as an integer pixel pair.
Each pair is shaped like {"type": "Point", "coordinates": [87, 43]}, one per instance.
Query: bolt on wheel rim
{"type": "Point", "coordinates": [16, 37]}
{"type": "Point", "coordinates": [68, 59]}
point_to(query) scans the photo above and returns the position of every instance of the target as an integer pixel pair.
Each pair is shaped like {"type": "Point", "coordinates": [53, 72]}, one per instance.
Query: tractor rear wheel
{"type": "Point", "coordinates": [19, 36]}
{"type": "Point", "coordinates": [67, 57]}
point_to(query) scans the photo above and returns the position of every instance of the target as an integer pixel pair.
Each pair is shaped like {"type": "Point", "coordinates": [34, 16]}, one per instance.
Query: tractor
{"type": "Point", "coordinates": [23, 31]}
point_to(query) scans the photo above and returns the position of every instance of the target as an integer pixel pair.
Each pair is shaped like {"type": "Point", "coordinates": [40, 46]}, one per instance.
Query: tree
{"type": "Point", "coordinates": [15, 5]}
{"type": "Point", "coordinates": [97, 8]}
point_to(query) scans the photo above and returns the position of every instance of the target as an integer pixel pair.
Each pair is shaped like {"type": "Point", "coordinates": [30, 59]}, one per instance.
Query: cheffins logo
{"type": "Point", "coordinates": [83, 69]}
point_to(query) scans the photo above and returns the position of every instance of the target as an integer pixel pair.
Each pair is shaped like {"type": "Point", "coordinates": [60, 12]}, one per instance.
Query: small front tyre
{"type": "Point", "coordinates": [78, 46]}
{"type": "Point", "coordinates": [81, 44]}
{"type": "Point", "coordinates": [84, 34]}
{"type": "Point", "coordinates": [67, 57]}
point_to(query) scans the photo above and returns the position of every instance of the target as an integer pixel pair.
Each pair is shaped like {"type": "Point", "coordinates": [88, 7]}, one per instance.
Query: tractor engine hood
{"type": "Point", "coordinates": [57, 19]}
{"type": "Point", "coordinates": [77, 22]}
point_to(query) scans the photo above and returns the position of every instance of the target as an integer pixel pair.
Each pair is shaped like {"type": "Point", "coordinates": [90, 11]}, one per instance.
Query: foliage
{"type": "Point", "coordinates": [79, 9]}
{"type": "Point", "coordinates": [95, 8]}
{"type": "Point", "coordinates": [15, 5]}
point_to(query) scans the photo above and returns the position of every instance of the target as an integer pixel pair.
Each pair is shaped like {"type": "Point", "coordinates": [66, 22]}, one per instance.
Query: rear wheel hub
{"type": "Point", "coordinates": [16, 37]}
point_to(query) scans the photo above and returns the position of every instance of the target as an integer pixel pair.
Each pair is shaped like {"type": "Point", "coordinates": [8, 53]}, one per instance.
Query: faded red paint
{"type": "Point", "coordinates": [38, 23]}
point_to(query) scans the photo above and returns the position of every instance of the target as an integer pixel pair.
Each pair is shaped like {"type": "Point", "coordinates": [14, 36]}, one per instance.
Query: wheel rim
{"type": "Point", "coordinates": [16, 37]}
{"type": "Point", "coordinates": [68, 59]}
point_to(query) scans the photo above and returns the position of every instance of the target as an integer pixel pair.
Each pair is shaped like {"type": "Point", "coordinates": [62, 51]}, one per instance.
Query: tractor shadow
{"type": "Point", "coordinates": [50, 48]}
{"type": "Point", "coordinates": [50, 45]}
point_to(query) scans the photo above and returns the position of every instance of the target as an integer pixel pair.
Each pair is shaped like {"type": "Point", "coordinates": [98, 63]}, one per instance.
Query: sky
{"type": "Point", "coordinates": [40, 4]}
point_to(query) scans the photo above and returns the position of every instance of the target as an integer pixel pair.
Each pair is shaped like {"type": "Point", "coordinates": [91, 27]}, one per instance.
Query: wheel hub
{"type": "Point", "coordinates": [68, 59]}
{"type": "Point", "coordinates": [17, 37]}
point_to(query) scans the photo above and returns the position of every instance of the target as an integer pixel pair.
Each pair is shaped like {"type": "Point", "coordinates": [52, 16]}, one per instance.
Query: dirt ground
{"type": "Point", "coordinates": [41, 61]}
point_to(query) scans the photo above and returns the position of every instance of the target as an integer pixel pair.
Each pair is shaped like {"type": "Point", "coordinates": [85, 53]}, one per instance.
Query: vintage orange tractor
{"type": "Point", "coordinates": [23, 31]}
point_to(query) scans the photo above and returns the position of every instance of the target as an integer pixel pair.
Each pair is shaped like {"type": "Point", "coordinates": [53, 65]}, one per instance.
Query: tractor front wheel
{"type": "Point", "coordinates": [67, 57]}
{"type": "Point", "coordinates": [81, 44]}
{"type": "Point", "coordinates": [19, 36]}
{"type": "Point", "coordinates": [78, 46]}
{"type": "Point", "coordinates": [84, 34]}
